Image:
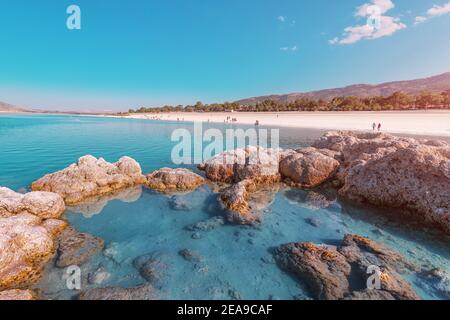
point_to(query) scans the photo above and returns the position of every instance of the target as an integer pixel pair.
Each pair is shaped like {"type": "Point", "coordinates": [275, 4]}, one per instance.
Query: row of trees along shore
{"type": "Point", "coordinates": [396, 101]}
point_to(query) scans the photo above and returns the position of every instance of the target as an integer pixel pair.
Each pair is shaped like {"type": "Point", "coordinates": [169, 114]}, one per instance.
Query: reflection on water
{"type": "Point", "coordinates": [95, 205]}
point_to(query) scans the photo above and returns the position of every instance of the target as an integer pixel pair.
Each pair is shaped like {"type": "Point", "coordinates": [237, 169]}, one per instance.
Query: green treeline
{"type": "Point", "coordinates": [396, 101]}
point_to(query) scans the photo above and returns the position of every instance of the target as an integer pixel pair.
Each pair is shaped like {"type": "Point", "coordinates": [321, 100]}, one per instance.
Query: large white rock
{"type": "Point", "coordinates": [25, 246]}
{"type": "Point", "coordinates": [408, 174]}
{"type": "Point", "coordinates": [256, 163]}
{"type": "Point", "coordinates": [91, 177]}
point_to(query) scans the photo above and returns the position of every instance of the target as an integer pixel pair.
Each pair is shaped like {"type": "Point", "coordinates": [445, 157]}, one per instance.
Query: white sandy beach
{"type": "Point", "coordinates": [431, 122]}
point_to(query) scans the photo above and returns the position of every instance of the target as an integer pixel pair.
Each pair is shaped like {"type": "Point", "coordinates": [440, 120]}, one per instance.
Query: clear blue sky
{"type": "Point", "coordinates": [154, 52]}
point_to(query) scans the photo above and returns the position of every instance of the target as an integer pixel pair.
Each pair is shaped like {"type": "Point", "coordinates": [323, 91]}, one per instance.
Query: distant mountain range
{"type": "Point", "coordinates": [6, 107]}
{"type": "Point", "coordinates": [437, 83]}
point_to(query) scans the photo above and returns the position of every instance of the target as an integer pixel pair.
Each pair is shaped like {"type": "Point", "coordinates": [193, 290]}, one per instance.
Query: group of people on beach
{"type": "Point", "coordinates": [230, 119]}
{"type": "Point", "coordinates": [376, 127]}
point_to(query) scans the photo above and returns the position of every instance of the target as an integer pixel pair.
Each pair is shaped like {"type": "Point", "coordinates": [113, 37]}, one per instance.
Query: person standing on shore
{"type": "Point", "coordinates": [374, 126]}
{"type": "Point", "coordinates": [379, 126]}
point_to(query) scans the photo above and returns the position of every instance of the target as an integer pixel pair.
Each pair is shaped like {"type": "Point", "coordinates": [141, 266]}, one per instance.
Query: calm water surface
{"type": "Point", "coordinates": [236, 261]}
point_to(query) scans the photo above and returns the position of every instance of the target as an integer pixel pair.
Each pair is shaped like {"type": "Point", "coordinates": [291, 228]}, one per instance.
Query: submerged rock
{"type": "Point", "coordinates": [235, 200]}
{"type": "Point", "coordinates": [384, 170]}
{"type": "Point", "coordinates": [16, 294]}
{"type": "Point", "coordinates": [313, 222]}
{"type": "Point", "coordinates": [98, 276]}
{"type": "Point", "coordinates": [153, 267]}
{"type": "Point", "coordinates": [42, 204]}
{"type": "Point", "coordinates": [76, 248]}
{"type": "Point", "coordinates": [324, 270]}
{"type": "Point", "coordinates": [207, 225]}
{"type": "Point", "coordinates": [311, 199]}
{"type": "Point", "coordinates": [256, 163]}
{"type": "Point", "coordinates": [180, 203]}
{"type": "Point", "coordinates": [308, 168]}
{"type": "Point", "coordinates": [437, 280]}
{"type": "Point", "coordinates": [341, 273]}
{"type": "Point", "coordinates": [146, 292]}
{"type": "Point", "coordinates": [246, 201]}
{"type": "Point", "coordinates": [169, 180]}
{"type": "Point", "coordinates": [91, 177]}
{"type": "Point", "coordinates": [190, 255]}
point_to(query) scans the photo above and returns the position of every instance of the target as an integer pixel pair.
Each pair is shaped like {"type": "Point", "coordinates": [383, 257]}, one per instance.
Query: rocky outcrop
{"type": "Point", "coordinates": [169, 180]}
{"type": "Point", "coordinates": [324, 270]}
{"type": "Point", "coordinates": [384, 170]}
{"type": "Point", "coordinates": [309, 167]}
{"type": "Point", "coordinates": [76, 248]}
{"type": "Point", "coordinates": [16, 294]}
{"type": "Point", "coordinates": [41, 204]}
{"type": "Point", "coordinates": [256, 163]}
{"type": "Point", "coordinates": [365, 252]}
{"type": "Point", "coordinates": [341, 273]}
{"type": "Point", "coordinates": [91, 177]}
{"type": "Point", "coordinates": [25, 247]}
{"type": "Point", "coordinates": [146, 292]}
{"type": "Point", "coordinates": [28, 226]}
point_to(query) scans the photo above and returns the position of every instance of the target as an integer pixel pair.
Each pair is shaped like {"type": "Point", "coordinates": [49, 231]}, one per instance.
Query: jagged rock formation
{"type": "Point", "coordinates": [327, 270]}
{"type": "Point", "coordinates": [91, 177]}
{"type": "Point", "coordinates": [408, 174]}
{"type": "Point", "coordinates": [28, 228]}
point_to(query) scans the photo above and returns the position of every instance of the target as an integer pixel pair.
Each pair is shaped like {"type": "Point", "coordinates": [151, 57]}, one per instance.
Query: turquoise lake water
{"type": "Point", "coordinates": [236, 261]}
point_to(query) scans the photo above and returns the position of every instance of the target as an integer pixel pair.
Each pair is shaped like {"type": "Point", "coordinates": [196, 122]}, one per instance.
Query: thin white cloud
{"type": "Point", "coordinates": [286, 20]}
{"type": "Point", "coordinates": [439, 10]}
{"type": "Point", "coordinates": [434, 11]}
{"type": "Point", "coordinates": [382, 6]}
{"type": "Point", "coordinates": [377, 24]}
{"type": "Point", "coordinates": [294, 48]}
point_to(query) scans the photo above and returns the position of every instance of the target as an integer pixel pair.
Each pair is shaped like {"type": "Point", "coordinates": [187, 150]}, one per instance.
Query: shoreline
{"type": "Point", "coordinates": [424, 123]}
{"type": "Point", "coordinates": [419, 123]}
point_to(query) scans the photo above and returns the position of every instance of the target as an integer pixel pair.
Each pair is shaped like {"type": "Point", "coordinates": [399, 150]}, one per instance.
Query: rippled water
{"type": "Point", "coordinates": [235, 261]}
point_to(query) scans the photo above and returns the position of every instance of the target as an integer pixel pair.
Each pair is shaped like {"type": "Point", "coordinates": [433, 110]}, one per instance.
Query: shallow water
{"type": "Point", "coordinates": [235, 261]}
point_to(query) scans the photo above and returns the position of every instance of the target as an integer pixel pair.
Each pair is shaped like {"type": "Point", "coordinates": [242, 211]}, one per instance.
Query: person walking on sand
{"type": "Point", "coordinates": [379, 126]}
{"type": "Point", "coordinates": [374, 126]}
